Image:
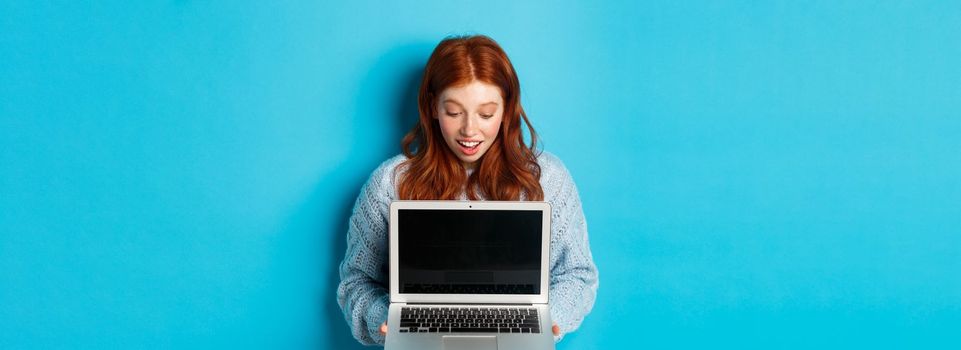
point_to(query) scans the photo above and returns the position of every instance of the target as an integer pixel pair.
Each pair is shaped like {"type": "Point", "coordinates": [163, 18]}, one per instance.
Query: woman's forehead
{"type": "Point", "coordinates": [475, 93]}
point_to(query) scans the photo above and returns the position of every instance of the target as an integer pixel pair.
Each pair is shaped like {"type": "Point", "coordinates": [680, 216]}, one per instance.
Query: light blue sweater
{"type": "Point", "coordinates": [363, 294]}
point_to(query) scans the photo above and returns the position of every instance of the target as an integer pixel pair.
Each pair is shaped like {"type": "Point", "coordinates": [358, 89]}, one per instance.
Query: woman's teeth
{"type": "Point", "coordinates": [471, 144]}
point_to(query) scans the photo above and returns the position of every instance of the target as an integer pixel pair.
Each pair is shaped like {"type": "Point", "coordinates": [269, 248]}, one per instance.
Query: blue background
{"type": "Point", "coordinates": [179, 174]}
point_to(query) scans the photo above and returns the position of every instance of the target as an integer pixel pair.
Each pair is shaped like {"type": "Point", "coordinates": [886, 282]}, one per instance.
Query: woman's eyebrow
{"type": "Point", "coordinates": [452, 101]}
{"type": "Point", "coordinates": [459, 104]}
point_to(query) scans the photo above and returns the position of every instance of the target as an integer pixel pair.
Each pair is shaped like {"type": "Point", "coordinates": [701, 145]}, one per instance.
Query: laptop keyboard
{"type": "Point", "coordinates": [469, 319]}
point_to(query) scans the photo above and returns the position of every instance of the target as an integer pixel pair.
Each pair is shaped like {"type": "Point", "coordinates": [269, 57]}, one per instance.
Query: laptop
{"type": "Point", "coordinates": [469, 275]}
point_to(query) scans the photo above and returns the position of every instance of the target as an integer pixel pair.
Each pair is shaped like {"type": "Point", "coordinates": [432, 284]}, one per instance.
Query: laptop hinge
{"type": "Point", "coordinates": [454, 303]}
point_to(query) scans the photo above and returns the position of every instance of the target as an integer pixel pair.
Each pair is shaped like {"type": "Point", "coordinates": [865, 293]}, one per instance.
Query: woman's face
{"type": "Point", "coordinates": [470, 118]}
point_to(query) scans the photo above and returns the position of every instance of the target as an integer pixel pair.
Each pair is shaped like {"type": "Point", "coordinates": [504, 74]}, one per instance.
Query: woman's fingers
{"type": "Point", "coordinates": [383, 328]}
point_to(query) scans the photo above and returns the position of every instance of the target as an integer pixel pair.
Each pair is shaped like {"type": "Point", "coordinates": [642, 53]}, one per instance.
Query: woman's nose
{"type": "Point", "coordinates": [467, 127]}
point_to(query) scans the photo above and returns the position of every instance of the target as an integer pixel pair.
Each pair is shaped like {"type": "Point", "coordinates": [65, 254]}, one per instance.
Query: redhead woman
{"type": "Point", "coordinates": [467, 145]}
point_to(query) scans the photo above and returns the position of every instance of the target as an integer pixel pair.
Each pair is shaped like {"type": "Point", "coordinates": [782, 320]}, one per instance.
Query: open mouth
{"type": "Point", "coordinates": [469, 144]}
{"type": "Point", "coordinates": [469, 147]}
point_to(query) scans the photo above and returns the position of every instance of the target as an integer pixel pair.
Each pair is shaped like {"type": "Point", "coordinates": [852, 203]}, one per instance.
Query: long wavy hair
{"type": "Point", "coordinates": [509, 169]}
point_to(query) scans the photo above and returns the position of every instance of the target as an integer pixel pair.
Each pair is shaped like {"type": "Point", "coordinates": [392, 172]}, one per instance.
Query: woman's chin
{"type": "Point", "coordinates": [470, 161]}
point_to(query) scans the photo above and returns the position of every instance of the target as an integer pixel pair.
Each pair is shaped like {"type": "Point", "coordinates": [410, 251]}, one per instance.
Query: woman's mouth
{"type": "Point", "coordinates": [469, 147]}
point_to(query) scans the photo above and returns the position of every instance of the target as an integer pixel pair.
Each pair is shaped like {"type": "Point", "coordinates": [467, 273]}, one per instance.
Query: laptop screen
{"type": "Point", "coordinates": [469, 251]}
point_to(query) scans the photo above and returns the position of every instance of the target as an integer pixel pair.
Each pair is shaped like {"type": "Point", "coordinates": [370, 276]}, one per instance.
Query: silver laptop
{"type": "Point", "coordinates": [469, 275]}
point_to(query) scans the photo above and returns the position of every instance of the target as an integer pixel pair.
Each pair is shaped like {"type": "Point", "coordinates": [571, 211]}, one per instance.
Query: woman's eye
{"type": "Point", "coordinates": [453, 114]}
{"type": "Point", "coordinates": [487, 116]}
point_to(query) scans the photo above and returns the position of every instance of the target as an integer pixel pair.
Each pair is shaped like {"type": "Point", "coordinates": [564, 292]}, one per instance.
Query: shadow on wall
{"type": "Point", "coordinates": [386, 108]}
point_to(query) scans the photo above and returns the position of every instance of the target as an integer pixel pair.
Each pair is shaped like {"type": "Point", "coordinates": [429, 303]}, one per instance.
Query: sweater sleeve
{"type": "Point", "coordinates": [362, 294]}
{"type": "Point", "coordinates": [574, 280]}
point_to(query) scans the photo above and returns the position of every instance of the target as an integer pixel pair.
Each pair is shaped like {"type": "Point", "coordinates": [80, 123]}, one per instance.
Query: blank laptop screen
{"type": "Point", "coordinates": [469, 251]}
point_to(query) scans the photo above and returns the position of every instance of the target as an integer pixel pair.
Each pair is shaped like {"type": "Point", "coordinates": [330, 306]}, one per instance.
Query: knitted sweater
{"type": "Point", "coordinates": [363, 291]}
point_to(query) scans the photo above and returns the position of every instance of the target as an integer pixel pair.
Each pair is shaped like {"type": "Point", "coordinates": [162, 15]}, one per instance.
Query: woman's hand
{"type": "Point", "coordinates": [383, 329]}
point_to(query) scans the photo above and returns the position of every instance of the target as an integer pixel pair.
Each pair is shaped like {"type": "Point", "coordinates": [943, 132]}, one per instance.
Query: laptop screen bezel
{"type": "Point", "coordinates": [540, 298]}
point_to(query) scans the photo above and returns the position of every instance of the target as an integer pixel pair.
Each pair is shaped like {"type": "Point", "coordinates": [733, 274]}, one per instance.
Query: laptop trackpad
{"type": "Point", "coordinates": [470, 343]}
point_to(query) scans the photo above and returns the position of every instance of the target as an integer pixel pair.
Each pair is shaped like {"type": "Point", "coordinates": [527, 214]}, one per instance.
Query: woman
{"type": "Point", "coordinates": [467, 145]}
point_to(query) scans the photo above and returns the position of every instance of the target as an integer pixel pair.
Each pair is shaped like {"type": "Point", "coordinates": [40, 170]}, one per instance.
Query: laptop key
{"type": "Point", "coordinates": [474, 330]}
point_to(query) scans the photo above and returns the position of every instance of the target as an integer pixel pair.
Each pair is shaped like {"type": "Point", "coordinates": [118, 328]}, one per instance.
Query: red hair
{"type": "Point", "coordinates": [508, 170]}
